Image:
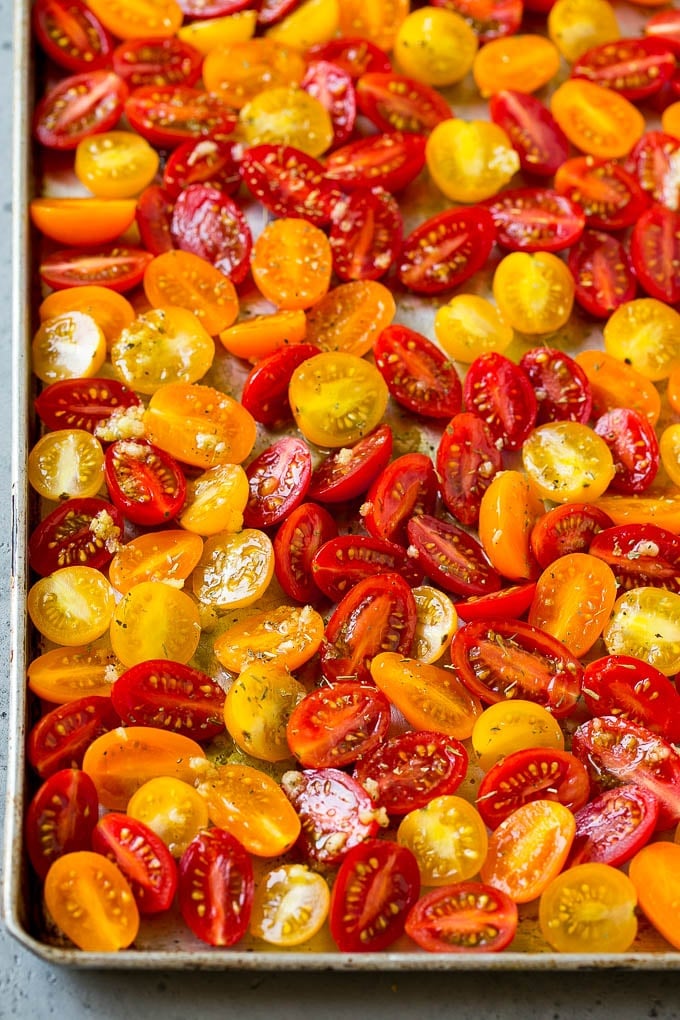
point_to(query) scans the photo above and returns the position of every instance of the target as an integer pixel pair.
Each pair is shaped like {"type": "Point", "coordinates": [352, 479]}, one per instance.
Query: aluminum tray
{"type": "Point", "coordinates": [165, 942]}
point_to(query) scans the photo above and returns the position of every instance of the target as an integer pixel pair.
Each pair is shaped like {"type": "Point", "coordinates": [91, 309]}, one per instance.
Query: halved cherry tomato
{"type": "Point", "coordinates": [79, 106]}
{"type": "Point", "coordinates": [59, 740]}
{"type": "Point", "coordinates": [167, 115]}
{"type": "Point", "coordinates": [366, 234]}
{"type": "Point", "coordinates": [155, 621]}
{"type": "Point", "coordinates": [333, 726]}
{"type": "Point", "coordinates": [72, 35]}
{"type": "Point", "coordinates": [641, 333]}
{"type": "Point", "coordinates": [60, 818]}
{"type": "Point", "coordinates": [446, 250]}
{"type": "Point", "coordinates": [589, 907]}
{"type": "Point", "coordinates": [152, 61]}
{"type": "Point", "coordinates": [653, 872]}
{"type": "Point", "coordinates": [347, 472]}
{"type": "Point", "coordinates": [510, 602]}
{"type": "Point", "coordinates": [110, 310]}
{"type": "Point", "coordinates": [333, 87]}
{"type": "Point", "coordinates": [634, 446]}
{"type": "Point", "coordinates": [499, 659]}
{"type": "Point", "coordinates": [391, 159]}
{"type": "Point", "coordinates": [489, 19]}
{"type": "Point", "coordinates": [82, 532]}
{"type": "Point", "coordinates": [640, 555]}
{"type": "Point", "coordinates": [507, 514]}
{"type": "Point", "coordinates": [526, 61]}
{"type": "Point", "coordinates": [436, 623]}
{"type": "Point", "coordinates": [644, 624]}
{"type": "Point", "coordinates": [395, 102]}
{"type": "Point", "coordinates": [66, 463]}
{"type": "Point", "coordinates": [82, 220]}
{"type": "Point", "coordinates": [652, 161]}
{"type": "Point", "coordinates": [296, 543]}
{"type": "Point", "coordinates": [536, 773]}
{"type": "Point", "coordinates": [67, 674]}
{"type": "Point", "coordinates": [174, 810]}
{"type": "Point", "coordinates": [278, 479]}
{"type": "Point", "coordinates": [168, 556]}
{"type": "Point", "coordinates": [407, 487]}
{"type": "Point", "coordinates": [539, 141]}
{"type": "Point", "coordinates": [467, 917]}
{"type": "Point", "coordinates": [208, 161]}
{"type": "Point", "coordinates": [500, 393]}
{"type": "Point", "coordinates": [603, 277]}
{"type": "Point", "coordinates": [119, 267]}
{"type": "Point", "coordinates": [211, 225]}
{"type": "Point", "coordinates": [154, 217]}
{"type": "Point", "coordinates": [610, 197]}
{"type": "Point", "coordinates": [290, 906]}
{"type": "Point", "coordinates": [262, 698]}
{"type": "Point", "coordinates": [265, 390]}
{"type": "Point", "coordinates": [235, 569]}
{"type": "Point", "coordinates": [375, 888]}
{"type": "Point", "coordinates": [448, 838]}
{"type": "Point", "coordinates": [355, 54]}
{"type": "Point", "coordinates": [613, 827]}
{"type": "Point", "coordinates": [215, 860]}
{"type": "Point", "coordinates": [142, 857]}
{"type": "Point", "coordinates": [69, 346]}
{"type": "Point", "coordinates": [417, 374]}
{"type": "Point", "coordinates": [467, 460]}
{"type": "Point", "coordinates": [567, 462]}
{"type": "Point", "coordinates": [216, 500]}
{"type": "Point", "coordinates": [560, 384]}
{"type": "Point", "coordinates": [535, 219]}
{"type": "Point", "coordinates": [614, 383]}
{"type": "Point", "coordinates": [171, 696]}
{"type": "Point", "coordinates": [343, 561]}
{"type": "Point", "coordinates": [144, 482]}
{"type": "Point", "coordinates": [595, 119]}
{"type": "Point", "coordinates": [629, 688]}
{"type": "Point", "coordinates": [287, 115]}
{"type": "Point", "coordinates": [83, 403]}
{"type": "Point", "coordinates": [655, 251]}
{"type": "Point", "coordinates": [513, 725]}
{"type": "Point", "coordinates": [292, 263]}
{"type": "Point", "coordinates": [288, 182]}
{"type": "Point", "coordinates": [574, 599]}
{"type": "Point", "coordinates": [256, 338]}
{"type": "Point", "coordinates": [569, 528]}
{"type": "Point", "coordinates": [72, 605]}
{"type": "Point", "coordinates": [130, 19]}
{"type": "Point", "coordinates": [451, 557]}
{"type": "Point", "coordinates": [635, 68]}
{"type": "Point", "coordinates": [351, 317]}
{"type": "Point", "coordinates": [188, 281]}
{"type": "Point", "coordinates": [115, 164]}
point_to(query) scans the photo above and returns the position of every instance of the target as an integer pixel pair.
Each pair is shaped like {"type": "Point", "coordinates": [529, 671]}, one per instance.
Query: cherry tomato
{"type": "Point", "coordinates": [215, 860]}
{"type": "Point", "coordinates": [155, 621]}
{"type": "Point", "coordinates": [589, 908]}
{"type": "Point", "coordinates": [164, 345]}
{"type": "Point", "coordinates": [535, 219]}
{"type": "Point", "coordinates": [287, 115]}
{"type": "Point", "coordinates": [70, 345]}
{"type": "Point", "coordinates": [183, 279]}
{"type": "Point", "coordinates": [286, 637]}
{"type": "Point", "coordinates": [82, 220]}
{"type": "Point", "coordinates": [498, 659]}
{"type": "Point", "coordinates": [467, 460]}
{"type": "Point", "coordinates": [643, 624]}
{"type": "Point", "coordinates": [524, 62]}
{"type": "Point", "coordinates": [239, 71]}
{"type": "Point", "coordinates": [467, 917]}
{"type": "Point", "coordinates": [290, 906]}
{"type": "Point", "coordinates": [489, 19]}
{"type": "Point", "coordinates": [366, 234]}
{"type": "Point", "coordinates": [296, 543]}
{"type": "Point", "coordinates": [170, 807]}
{"type": "Point", "coordinates": [540, 143]}
{"type": "Point", "coordinates": [511, 602]}
{"type": "Point", "coordinates": [654, 249]}
{"type": "Point", "coordinates": [655, 878]}
{"type": "Point", "coordinates": [292, 263]}
{"type": "Point", "coordinates": [567, 462]}
{"type": "Point", "coordinates": [71, 35]}
{"type": "Point", "coordinates": [115, 164]}
{"type": "Point", "coordinates": [595, 119]}
{"type": "Point", "coordinates": [142, 857]}
{"type": "Point", "coordinates": [376, 886]}
{"type": "Point", "coordinates": [614, 383]}
{"type": "Point", "coordinates": [260, 702]}
{"type": "Point", "coordinates": [79, 106]}
{"type": "Point", "coordinates": [80, 532]}
{"type": "Point", "coordinates": [634, 446]}
{"type": "Point", "coordinates": [151, 61]}
{"type": "Point", "coordinates": [60, 818]}
{"type": "Point", "coordinates": [210, 224]}
{"type": "Point", "coordinates": [343, 561]}
{"type": "Point", "coordinates": [560, 384]}
{"type": "Point", "coordinates": [130, 19]}
{"type": "Point", "coordinates": [288, 182]}
{"type": "Point", "coordinates": [603, 277]}
{"type": "Point", "coordinates": [391, 159]}
{"type": "Point", "coordinates": [507, 514]}
{"type": "Point", "coordinates": [448, 839]}
{"type": "Point", "coordinates": [395, 102]}
{"type": "Point", "coordinates": [67, 674]}
{"type": "Point", "coordinates": [446, 250]}
{"type": "Point", "coordinates": [377, 614]}
{"type": "Point", "coordinates": [450, 557]}
{"type": "Point", "coordinates": [235, 569]}
{"type": "Point", "coordinates": [610, 197]}
{"type": "Point", "coordinates": [83, 403]}
{"type": "Point", "coordinates": [417, 374]}
{"type": "Point", "coordinates": [333, 87]}
{"type": "Point", "coordinates": [630, 688]}
{"type": "Point", "coordinates": [435, 46]}
{"type": "Point", "coordinates": [577, 25]}
{"type": "Point", "coordinates": [355, 54]}
{"type": "Point", "coordinates": [652, 162]}
{"type": "Point", "coordinates": [110, 310]}
{"type": "Point", "coordinates": [154, 218]}
{"type": "Point", "coordinates": [278, 479]}
{"type": "Point", "coordinates": [72, 606]}
{"type": "Point", "coordinates": [406, 488]}
{"type": "Point", "coordinates": [641, 333]}
{"type": "Point", "coordinates": [265, 391]}
{"type": "Point", "coordinates": [168, 556]}
{"type": "Point", "coordinates": [206, 161]}
{"type": "Point", "coordinates": [501, 393]}
{"type": "Point", "coordinates": [350, 317]}
{"type": "Point", "coordinates": [513, 725]}
{"type": "Point", "coordinates": [333, 726]}
{"type": "Point", "coordinates": [169, 695]}
{"type": "Point", "coordinates": [534, 291]}
{"type": "Point", "coordinates": [450, 168]}
{"type": "Point", "coordinates": [256, 338]}
{"type": "Point", "coordinates": [66, 463]}
{"type": "Point", "coordinates": [569, 528]}
{"type": "Point", "coordinates": [611, 828]}
{"type": "Point", "coordinates": [167, 115]}
{"type": "Point", "coordinates": [640, 554]}
{"type": "Point", "coordinates": [216, 500]}
{"type": "Point", "coordinates": [347, 472]}
{"type": "Point", "coordinates": [144, 482]}
{"type": "Point", "coordinates": [534, 773]}
{"type": "Point", "coordinates": [59, 740]}
{"type": "Point", "coordinates": [635, 68]}
{"type": "Point", "coordinates": [119, 267]}
{"type": "Point", "coordinates": [574, 599]}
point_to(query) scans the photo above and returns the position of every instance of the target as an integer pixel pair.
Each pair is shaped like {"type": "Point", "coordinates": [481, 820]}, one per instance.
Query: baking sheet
{"type": "Point", "coordinates": [165, 942]}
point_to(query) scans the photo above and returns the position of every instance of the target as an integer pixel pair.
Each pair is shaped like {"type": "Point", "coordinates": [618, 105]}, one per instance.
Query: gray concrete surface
{"type": "Point", "coordinates": [30, 990]}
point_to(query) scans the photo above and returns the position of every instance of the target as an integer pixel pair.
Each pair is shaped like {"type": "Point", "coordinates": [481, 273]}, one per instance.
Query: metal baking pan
{"type": "Point", "coordinates": [165, 942]}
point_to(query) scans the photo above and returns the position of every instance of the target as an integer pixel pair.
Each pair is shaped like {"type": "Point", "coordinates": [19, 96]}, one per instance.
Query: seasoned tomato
{"type": "Point", "coordinates": [500, 392]}
{"type": "Point", "coordinates": [466, 917]}
{"type": "Point", "coordinates": [83, 403]}
{"type": "Point", "coordinates": [142, 857]}
{"type": "Point", "coordinates": [211, 225]}
{"type": "Point", "coordinates": [171, 696]}
{"type": "Point", "coordinates": [635, 68]}
{"type": "Point", "coordinates": [654, 874]}
{"type": "Point", "coordinates": [117, 266]}
{"type": "Point", "coordinates": [460, 178]}
{"type": "Point", "coordinates": [535, 219]}
{"type": "Point", "coordinates": [654, 251]}
{"type": "Point", "coordinates": [292, 263]}
{"type": "Point", "coordinates": [115, 165]}
{"type": "Point", "coordinates": [446, 250]}
{"type": "Point", "coordinates": [348, 472]}
{"type": "Point", "coordinates": [448, 839]}
{"type": "Point", "coordinates": [72, 606]}
{"type": "Point", "coordinates": [451, 557]}
{"type": "Point", "coordinates": [511, 726]}
{"type": "Point", "coordinates": [489, 19]}
{"type": "Point", "coordinates": [256, 338]}
{"type": "Point", "coordinates": [611, 828]}
{"type": "Point", "coordinates": [278, 480]}
{"type": "Point", "coordinates": [610, 197]}
{"type": "Point", "coordinates": [72, 35]}
{"type": "Point", "coordinates": [634, 447]}
{"type": "Point", "coordinates": [201, 161]}
{"type": "Point", "coordinates": [216, 887]}
{"type": "Point", "coordinates": [65, 464]}
{"type": "Point", "coordinates": [645, 623]}
{"type": "Point", "coordinates": [376, 24]}
{"type": "Point", "coordinates": [508, 513]}
{"type": "Point", "coordinates": [350, 317]}
{"type": "Point", "coordinates": [391, 159]}
{"type": "Point", "coordinates": [288, 182]}
{"type": "Point", "coordinates": [265, 391]}
{"type": "Point", "coordinates": [60, 818]}
{"type": "Point", "coordinates": [239, 71]}
{"type": "Point", "coordinates": [184, 279]}
{"type": "Point", "coordinates": [333, 726]}
{"type": "Point", "coordinates": [366, 234]}
{"type": "Point", "coordinates": [334, 89]}
{"type": "Point", "coordinates": [82, 220]}
{"type": "Point", "coordinates": [406, 488]}
{"type": "Point", "coordinates": [573, 601]}
{"type": "Point", "coordinates": [640, 554]}
{"type": "Point", "coordinates": [470, 325]}
{"type": "Point", "coordinates": [168, 61]}
{"type": "Point", "coordinates": [590, 908]}
{"type": "Point", "coordinates": [145, 483]}
{"type": "Point", "coordinates": [69, 346]}
{"type": "Point", "coordinates": [418, 375]}
{"type": "Point", "coordinates": [560, 384]}
{"type": "Point", "coordinates": [155, 621]}
{"type": "Point", "coordinates": [173, 809]}
{"type": "Point", "coordinates": [132, 19]}
{"type": "Point", "coordinates": [258, 706]}
{"type": "Point", "coordinates": [356, 54]}
{"type": "Point", "coordinates": [287, 115]}
{"type": "Point", "coordinates": [567, 461]}
{"type": "Point", "coordinates": [78, 106]}
{"type": "Point", "coordinates": [215, 500]}
{"type": "Point", "coordinates": [522, 62]}
{"type": "Point", "coordinates": [234, 570]}
{"type": "Point", "coordinates": [80, 532]}
{"type": "Point", "coordinates": [286, 636]}
{"type": "Point", "coordinates": [614, 383]}
{"type": "Point", "coordinates": [540, 143]}
{"type": "Point", "coordinates": [110, 310]}
{"type": "Point", "coordinates": [577, 25]}
{"type": "Point", "coordinates": [59, 740]}
{"type": "Point", "coordinates": [435, 625]}
{"type": "Point", "coordinates": [295, 545]}
{"type": "Point", "coordinates": [534, 291]}
{"type": "Point", "coordinates": [67, 674]}
{"type": "Point", "coordinates": [630, 688]}
{"type": "Point", "coordinates": [395, 102]}
{"type": "Point", "coordinates": [344, 560]}
{"type": "Point", "coordinates": [603, 276]}
{"type": "Point", "coordinates": [467, 460]}
{"type": "Point", "coordinates": [641, 333]}
{"type": "Point", "coordinates": [512, 602]}
{"type": "Point", "coordinates": [534, 773]}
{"type": "Point", "coordinates": [154, 219]}
{"type": "Point", "coordinates": [290, 906]}
{"type": "Point", "coordinates": [569, 528]}
{"type": "Point", "coordinates": [168, 115]}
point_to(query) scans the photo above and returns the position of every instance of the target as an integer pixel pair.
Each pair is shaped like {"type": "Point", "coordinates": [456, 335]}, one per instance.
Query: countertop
{"type": "Point", "coordinates": [31, 989]}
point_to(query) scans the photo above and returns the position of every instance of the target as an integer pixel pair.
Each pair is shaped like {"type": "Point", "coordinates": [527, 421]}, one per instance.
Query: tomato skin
{"type": "Point", "coordinates": [539, 141]}
{"type": "Point", "coordinates": [603, 277]}
{"type": "Point", "coordinates": [653, 871]}
{"type": "Point", "coordinates": [377, 880]}
{"type": "Point", "coordinates": [168, 115]}
{"type": "Point", "coordinates": [640, 555]}
{"type": "Point", "coordinates": [119, 267]}
{"type": "Point", "coordinates": [215, 860]}
{"type": "Point", "coordinates": [655, 251]}
{"type": "Point", "coordinates": [144, 482]}
{"type": "Point", "coordinates": [561, 386]}
{"type": "Point", "coordinates": [629, 688]}
{"type": "Point", "coordinates": [171, 696]}
{"type": "Point", "coordinates": [635, 68]}
{"type": "Point", "coordinates": [154, 217]}
{"type": "Point", "coordinates": [500, 392]}
{"type": "Point", "coordinates": [71, 35]}
{"type": "Point", "coordinates": [344, 560]}
{"type": "Point", "coordinates": [446, 250]}
{"type": "Point", "coordinates": [302, 534]}
{"type": "Point", "coordinates": [151, 61]}
{"type": "Point", "coordinates": [278, 479]}
{"type": "Point", "coordinates": [467, 461]}
{"type": "Point", "coordinates": [536, 773]}
{"type": "Point", "coordinates": [288, 182]}
{"type": "Point", "coordinates": [377, 614]}
{"type": "Point", "coordinates": [617, 751]}
{"type": "Point", "coordinates": [78, 106]}
{"type": "Point", "coordinates": [142, 857]}
{"type": "Point", "coordinates": [83, 403]}
{"type": "Point", "coordinates": [60, 818]}
{"type": "Point", "coordinates": [498, 659]}
{"type": "Point", "coordinates": [391, 159]}
{"type": "Point", "coordinates": [412, 768]}
{"type": "Point", "coordinates": [565, 529]}
{"type": "Point", "coordinates": [366, 234]}
{"type": "Point", "coordinates": [610, 197]}
{"type": "Point", "coordinates": [66, 536]}
{"type": "Point", "coordinates": [407, 487]}
{"type": "Point", "coordinates": [611, 828]}
{"type": "Point", "coordinates": [417, 374]}
{"type": "Point", "coordinates": [60, 739]}
{"type": "Point", "coordinates": [333, 726]}
{"type": "Point", "coordinates": [466, 917]}
{"type": "Point", "coordinates": [265, 391]}
{"type": "Point", "coordinates": [211, 225]}
{"type": "Point", "coordinates": [535, 219]}
{"type": "Point", "coordinates": [450, 557]}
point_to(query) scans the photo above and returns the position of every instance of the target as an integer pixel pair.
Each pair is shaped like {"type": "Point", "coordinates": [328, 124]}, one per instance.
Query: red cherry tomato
{"type": "Point", "coordinates": [391, 159]}
{"type": "Point", "coordinates": [348, 472]}
{"type": "Point", "coordinates": [446, 250]}
{"type": "Point", "coordinates": [666, 24]}
{"type": "Point", "coordinates": [202, 161]}
{"type": "Point", "coordinates": [145, 483]}
{"type": "Point", "coordinates": [270, 11]}
{"type": "Point", "coordinates": [83, 403]}
{"type": "Point", "coordinates": [167, 115]}
{"type": "Point", "coordinates": [333, 87]}
{"type": "Point", "coordinates": [407, 487]}
{"type": "Point", "coordinates": [333, 726]}
{"type": "Point", "coordinates": [534, 773]}
{"type": "Point", "coordinates": [614, 826]}
{"type": "Point", "coordinates": [509, 603]}
{"type": "Point", "coordinates": [610, 197]}
{"type": "Point", "coordinates": [500, 659]}
{"type": "Point", "coordinates": [60, 818]}
{"type": "Point", "coordinates": [490, 19]}
{"type": "Point", "coordinates": [265, 391]}
{"type": "Point", "coordinates": [302, 534]}
{"type": "Point", "coordinates": [366, 234]}
{"type": "Point", "coordinates": [560, 384]}
{"type": "Point", "coordinates": [655, 251]}
{"type": "Point", "coordinates": [60, 739]}
{"type": "Point", "coordinates": [634, 447]}
{"type": "Point", "coordinates": [143, 858]}
{"type": "Point", "coordinates": [278, 481]}
{"type": "Point", "coordinates": [71, 35]}
{"type": "Point", "coordinates": [417, 374]}
{"type": "Point", "coordinates": [157, 62]}
{"type": "Point", "coordinates": [535, 219]}
{"type": "Point", "coordinates": [603, 278]}
{"type": "Point", "coordinates": [565, 529]}
{"type": "Point", "coordinates": [539, 141]}
{"type": "Point", "coordinates": [397, 103]}
{"type": "Point", "coordinates": [449, 556]}
{"type": "Point", "coordinates": [118, 267]}
{"type": "Point", "coordinates": [345, 560]}
{"type": "Point", "coordinates": [154, 219]}
{"type": "Point", "coordinates": [171, 696]}
{"type": "Point", "coordinates": [357, 56]}
{"type": "Point", "coordinates": [635, 68]}
{"type": "Point", "coordinates": [640, 555]}
{"type": "Point", "coordinates": [376, 886]}
{"type": "Point", "coordinates": [653, 162]}
{"type": "Point", "coordinates": [336, 813]}
{"type": "Point", "coordinates": [467, 460]}
{"type": "Point", "coordinates": [69, 536]}
{"type": "Point", "coordinates": [79, 106]}
{"type": "Point", "coordinates": [216, 887]}
{"type": "Point", "coordinates": [630, 688]}
{"type": "Point", "coordinates": [377, 615]}
{"type": "Point", "coordinates": [212, 226]}
{"type": "Point", "coordinates": [501, 394]}
{"type": "Point", "coordinates": [288, 182]}
{"type": "Point", "coordinates": [467, 917]}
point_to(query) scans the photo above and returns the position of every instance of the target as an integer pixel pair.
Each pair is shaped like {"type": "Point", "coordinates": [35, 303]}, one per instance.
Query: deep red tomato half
{"type": "Point", "coordinates": [397, 103]}
{"type": "Point", "coordinates": [418, 375]}
{"type": "Point", "coordinates": [271, 11]}
{"type": "Point", "coordinates": [534, 773]}
{"type": "Point", "coordinates": [216, 887]}
{"type": "Point", "coordinates": [376, 886]}
{"type": "Point", "coordinates": [539, 141]}
{"type": "Point", "coordinates": [119, 267]}
{"type": "Point", "coordinates": [391, 159]}
{"type": "Point", "coordinates": [366, 234]}
{"type": "Point", "coordinates": [614, 826]}
{"type": "Point", "coordinates": [79, 106]}
{"type": "Point", "coordinates": [666, 24]}
{"type": "Point", "coordinates": [630, 688]}
{"type": "Point", "coordinates": [60, 818]}
{"type": "Point", "coordinates": [202, 161]}
{"type": "Point", "coordinates": [154, 219]}
{"type": "Point", "coordinates": [167, 115]}
{"type": "Point", "coordinates": [71, 35]}
{"type": "Point", "coordinates": [83, 403]}
{"type": "Point", "coordinates": [347, 473]}
{"type": "Point", "coordinates": [145, 483]}
{"type": "Point", "coordinates": [355, 54]}
{"type": "Point", "coordinates": [561, 386]}
{"type": "Point", "coordinates": [142, 857]}
{"type": "Point", "coordinates": [610, 197]}
{"type": "Point", "coordinates": [302, 534]}
{"type": "Point", "coordinates": [619, 751]}
{"type": "Point", "coordinates": [336, 813]}
{"type": "Point", "coordinates": [655, 251]}
{"type": "Point", "coordinates": [640, 555]}
{"type": "Point", "coordinates": [565, 529]}
{"type": "Point", "coordinates": [212, 226]}
{"type": "Point", "coordinates": [60, 739]}
{"type": "Point", "coordinates": [377, 615]}
{"type": "Point", "coordinates": [468, 917]}
{"type": "Point", "coordinates": [500, 393]}
{"type": "Point", "coordinates": [509, 603]}
{"type": "Point", "coordinates": [333, 87]}
{"type": "Point", "coordinates": [490, 19]}
{"type": "Point", "coordinates": [334, 725]}
{"type": "Point", "coordinates": [451, 557]}
{"type": "Point", "coordinates": [632, 441]}
{"type": "Point", "coordinates": [70, 537]}
{"type": "Point", "coordinates": [501, 659]}
{"type": "Point", "coordinates": [345, 560]}
{"type": "Point", "coordinates": [197, 9]}
{"type": "Point", "coordinates": [278, 480]}
{"type": "Point", "coordinates": [170, 696]}
{"type": "Point", "coordinates": [535, 219]}
{"type": "Point", "coordinates": [265, 390]}
{"type": "Point", "coordinates": [289, 182]}
{"type": "Point", "coordinates": [157, 62]}
{"type": "Point", "coordinates": [446, 250]}
{"type": "Point", "coordinates": [653, 161]}
{"type": "Point", "coordinates": [635, 68]}
{"type": "Point", "coordinates": [467, 461]}
{"type": "Point", "coordinates": [412, 768]}
{"type": "Point", "coordinates": [603, 277]}
{"type": "Point", "coordinates": [407, 487]}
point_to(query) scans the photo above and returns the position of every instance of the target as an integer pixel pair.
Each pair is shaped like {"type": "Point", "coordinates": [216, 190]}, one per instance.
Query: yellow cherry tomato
{"type": "Point", "coordinates": [290, 906]}
{"type": "Point", "coordinates": [435, 624]}
{"type": "Point", "coordinates": [448, 839]}
{"type": "Point", "coordinates": [512, 725]}
{"type": "Point", "coordinates": [644, 334]}
{"type": "Point", "coordinates": [172, 808]}
{"type": "Point", "coordinates": [470, 160]}
{"type": "Point", "coordinates": [470, 325]}
{"type": "Point", "coordinates": [523, 63]}
{"type": "Point", "coordinates": [287, 115]}
{"type": "Point", "coordinates": [71, 606]}
{"type": "Point", "coordinates": [235, 569]}
{"type": "Point", "coordinates": [257, 708]}
{"type": "Point", "coordinates": [645, 623]}
{"type": "Point", "coordinates": [669, 447]}
{"type": "Point", "coordinates": [66, 463]}
{"type": "Point", "coordinates": [67, 674]}
{"type": "Point", "coordinates": [567, 462]}
{"type": "Point", "coordinates": [311, 23]}
{"type": "Point", "coordinates": [589, 909]}
{"type": "Point", "coordinates": [435, 46]}
{"type": "Point", "coordinates": [165, 345]}
{"type": "Point", "coordinates": [534, 291]}
{"type": "Point", "coordinates": [614, 383]}
{"type": "Point", "coordinates": [577, 25]}
{"type": "Point", "coordinates": [155, 621]}
{"type": "Point", "coordinates": [212, 33]}
{"type": "Point", "coordinates": [115, 164]}
{"type": "Point", "coordinates": [70, 345]}
{"type": "Point", "coordinates": [216, 500]}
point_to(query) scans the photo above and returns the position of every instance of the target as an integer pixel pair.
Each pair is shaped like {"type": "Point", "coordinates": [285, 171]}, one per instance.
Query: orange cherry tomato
{"type": "Point", "coordinates": [182, 278]}
{"type": "Point", "coordinates": [350, 317]}
{"type": "Point", "coordinates": [661, 510]}
{"type": "Point", "coordinates": [240, 71]}
{"type": "Point", "coordinates": [257, 708]}
{"type": "Point", "coordinates": [122, 760]}
{"type": "Point", "coordinates": [165, 345]}
{"type": "Point", "coordinates": [595, 119]}
{"type": "Point", "coordinates": [155, 621]}
{"type": "Point", "coordinates": [252, 807]}
{"type": "Point", "coordinates": [507, 515]}
{"type": "Point", "coordinates": [67, 674]}
{"type": "Point", "coordinates": [234, 570]}
{"type": "Point", "coordinates": [254, 339]}
{"type": "Point", "coordinates": [524, 63]}
{"type": "Point", "coordinates": [528, 850]}
{"type": "Point", "coordinates": [215, 501]}
{"type": "Point", "coordinates": [69, 346]}
{"type": "Point", "coordinates": [199, 425]}
{"type": "Point", "coordinates": [613, 383]}
{"type": "Point", "coordinates": [109, 309]}
{"type": "Point", "coordinates": [82, 221]}
{"type": "Point", "coordinates": [573, 600]}
{"type": "Point", "coordinates": [168, 556]}
{"type": "Point", "coordinates": [291, 263]}
{"type": "Point", "coordinates": [138, 19]}
{"type": "Point", "coordinates": [214, 33]}
{"type": "Point", "coordinates": [286, 635]}
{"type": "Point", "coordinates": [655, 873]}
{"type": "Point", "coordinates": [375, 20]}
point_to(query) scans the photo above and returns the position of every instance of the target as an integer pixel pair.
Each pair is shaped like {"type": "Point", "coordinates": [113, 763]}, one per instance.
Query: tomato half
{"type": "Point", "coordinates": [144, 482]}
{"type": "Point", "coordinates": [467, 461]}
{"type": "Point", "coordinates": [116, 266]}
{"type": "Point", "coordinates": [344, 560]}
{"type": "Point", "coordinates": [500, 392]}
{"type": "Point", "coordinates": [574, 599]}
{"type": "Point", "coordinates": [560, 384]}
{"type": "Point", "coordinates": [603, 277]}
{"type": "Point", "coordinates": [142, 857]}
{"type": "Point", "coordinates": [83, 403]}
{"type": "Point", "coordinates": [655, 251]}
{"type": "Point", "coordinates": [168, 61]}
{"type": "Point", "coordinates": [391, 159]}
{"type": "Point", "coordinates": [167, 115]}
{"type": "Point", "coordinates": [216, 887]}
{"type": "Point", "coordinates": [333, 726]}
{"type": "Point", "coordinates": [262, 697]}
{"type": "Point", "coordinates": [265, 390]}
{"type": "Point", "coordinates": [79, 106]}
{"type": "Point", "coordinates": [467, 917]}
{"type": "Point", "coordinates": [171, 696]}
{"type": "Point", "coordinates": [654, 873]}
{"type": "Point", "coordinates": [288, 182]}
{"type": "Point", "coordinates": [278, 480]}
{"type": "Point", "coordinates": [590, 907]}
{"type": "Point", "coordinates": [81, 532]}
{"type": "Point", "coordinates": [535, 219]}
{"type": "Point", "coordinates": [634, 446]}
{"type": "Point", "coordinates": [446, 250]}
{"type": "Point", "coordinates": [206, 161]}
{"type": "Point", "coordinates": [418, 375]}
{"type": "Point", "coordinates": [652, 162]}
{"type": "Point", "coordinates": [296, 543]}
{"type": "Point", "coordinates": [366, 234]}
{"type": "Point", "coordinates": [595, 119]}
{"type": "Point", "coordinates": [348, 472]}
{"type": "Point", "coordinates": [537, 138]}
{"type": "Point", "coordinates": [60, 739]}
{"type": "Point", "coordinates": [451, 557]}
{"type": "Point", "coordinates": [356, 54]}
{"type": "Point", "coordinates": [211, 225]}
{"type": "Point", "coordinates": [72, 35]}
{"type": "Point", "coordinates": [334, 89]}
{"type": "Point", "coordinates": [635, 68]}
{"type": "Point", "coordinates": [395, 102]}
{"type": "Point", "coordinates": [612, 827]}
{"type": "Point", "coordinates": [629, 688]}
{"type": "Point", "coordinates": [60, 818]}
{"type": "Point", "coordinates": [610, 197]}
{"type": "Point", "coordinates": [535, 773]}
